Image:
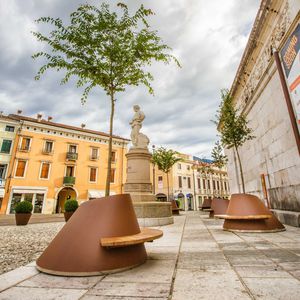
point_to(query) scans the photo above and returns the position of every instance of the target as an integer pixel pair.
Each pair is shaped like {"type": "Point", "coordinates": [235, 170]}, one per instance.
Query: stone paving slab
{"type": "Point", "coordinates": [274, 288]}
{"type": "Point", "coordinates": [131, 289]}
{"type": "Point", "coordinates": [46, 281]}
{"type": "Point", "coordinates": [195, 259]}
{"type": "Point", "coordinates": [24, 293]}
{"type": "Point", "coordinates": [12, 278]}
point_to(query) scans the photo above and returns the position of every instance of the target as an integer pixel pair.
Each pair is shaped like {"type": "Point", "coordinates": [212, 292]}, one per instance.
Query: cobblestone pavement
{"type": "Point", "coordinates": [19, 245]}
{"type": "Point", "coordinates": [195, 259]}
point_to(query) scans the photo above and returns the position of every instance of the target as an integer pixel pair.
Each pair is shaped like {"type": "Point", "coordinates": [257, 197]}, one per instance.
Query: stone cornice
{"type": "Point", "coordinates": [271, 24]}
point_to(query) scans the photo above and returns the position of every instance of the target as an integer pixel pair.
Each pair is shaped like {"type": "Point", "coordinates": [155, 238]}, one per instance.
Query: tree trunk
{"type": "Point", "coordinates": [168, 186]}
{"type": "Point", "coordinates": [241, 169]}
{"type": "Point", "coordinates": [108, 176]}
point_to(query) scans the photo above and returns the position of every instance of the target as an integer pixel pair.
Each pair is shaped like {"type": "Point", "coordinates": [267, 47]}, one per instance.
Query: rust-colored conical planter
{"type": "Point", "coordinates": [219, 206]}
{"type": "Point", "coordinates": [76, 250]}
{"type": "Point", "coordinates": [247, 213]}
{"type": "Point", "coordinates": [206, 203]}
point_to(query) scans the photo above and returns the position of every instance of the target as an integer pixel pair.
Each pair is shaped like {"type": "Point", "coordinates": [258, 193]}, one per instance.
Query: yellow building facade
{"type": "Point", "coordinates": [52, 163]}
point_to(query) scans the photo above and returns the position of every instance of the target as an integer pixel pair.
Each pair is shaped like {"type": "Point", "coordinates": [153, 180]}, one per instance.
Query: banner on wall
{"type": "Point", "coordinates": [290, 57]}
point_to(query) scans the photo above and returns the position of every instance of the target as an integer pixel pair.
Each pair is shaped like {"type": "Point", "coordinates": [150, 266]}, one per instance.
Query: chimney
{"type": "Point", "coordinates": [82, 126]}
{"type": "Point", "coordinates": [39, 117]}
{"type": "Point", "coordinates": [50, 119]}
{"type": "Point", "coordinates": [19, 111]}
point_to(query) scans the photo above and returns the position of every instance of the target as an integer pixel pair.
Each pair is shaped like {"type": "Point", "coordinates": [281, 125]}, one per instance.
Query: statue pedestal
{"type": "Point", "coordinates": [148, 211]}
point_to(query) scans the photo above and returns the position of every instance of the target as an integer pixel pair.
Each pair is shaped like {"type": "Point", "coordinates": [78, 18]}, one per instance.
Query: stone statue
{"type": "Point", "coordinates": [139, 140]}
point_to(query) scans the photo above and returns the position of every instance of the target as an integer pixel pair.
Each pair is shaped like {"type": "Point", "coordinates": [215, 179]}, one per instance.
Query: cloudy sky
{"type": "Point", "coordinates": [208, 38]}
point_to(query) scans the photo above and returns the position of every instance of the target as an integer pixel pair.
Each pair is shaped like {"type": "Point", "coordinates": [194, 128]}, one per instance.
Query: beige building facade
{"type": "Point", "coordinates": [190, 183]}
{"type": "Point", "coordinates": [8, 132]}
{"type": "Point", "coordinates": [271, 161]}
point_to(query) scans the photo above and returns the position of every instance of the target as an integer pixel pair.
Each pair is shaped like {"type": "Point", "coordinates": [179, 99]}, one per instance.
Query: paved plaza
{"type": "Point", "coordinates": [195, 259]}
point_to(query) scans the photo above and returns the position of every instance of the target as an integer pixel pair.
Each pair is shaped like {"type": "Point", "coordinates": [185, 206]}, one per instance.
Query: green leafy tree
{"type": "Point", "coordinates": [233, 128]}
{"type": "Point", "coordinates": [220, 160]}
{"type": "Point", "coordinates": [103, 49]}
{"type": "Point", "coordinates": [165, 160]}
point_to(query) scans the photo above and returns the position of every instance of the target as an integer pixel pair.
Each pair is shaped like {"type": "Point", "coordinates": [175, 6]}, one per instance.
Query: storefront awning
{"type": "Point", "coordinates": [29, 190]}
{"type": "Point", "coordinates": [1, 193]}
{"type": "Point", "coordinates": [98, 193]}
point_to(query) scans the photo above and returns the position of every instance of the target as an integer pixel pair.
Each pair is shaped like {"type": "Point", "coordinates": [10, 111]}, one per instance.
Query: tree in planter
{"type": "Point", "coordinates": [103, 49]}
{"type": "Point", "coordinates": [165, 160]}
{"type": "Point", "coordinates": [233, 128]}
{"type": "Point", "coordinates": [220, 160]}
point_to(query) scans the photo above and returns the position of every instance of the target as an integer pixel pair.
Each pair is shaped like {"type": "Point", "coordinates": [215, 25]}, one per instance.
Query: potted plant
{"type": "Point", "coordinates": [70, 207]}
{"type": "Point", "coordinates": [23, 212]}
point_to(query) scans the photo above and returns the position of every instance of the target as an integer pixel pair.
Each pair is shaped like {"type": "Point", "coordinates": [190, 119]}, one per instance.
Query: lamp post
{"type": "Point", "coordinates": [153, 169]}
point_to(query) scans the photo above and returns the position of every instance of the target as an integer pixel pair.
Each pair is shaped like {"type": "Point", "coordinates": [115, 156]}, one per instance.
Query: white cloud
{"type": "Point", "coordinates": [208, 37]}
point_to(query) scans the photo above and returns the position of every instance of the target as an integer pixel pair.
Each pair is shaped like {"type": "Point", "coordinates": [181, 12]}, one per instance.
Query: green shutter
{"type": "Point", "coordinates": [6, 145]}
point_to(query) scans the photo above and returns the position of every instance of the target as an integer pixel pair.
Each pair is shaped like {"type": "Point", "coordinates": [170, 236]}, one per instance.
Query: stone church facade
{"type": "Point", "coordinates": [271, 161]}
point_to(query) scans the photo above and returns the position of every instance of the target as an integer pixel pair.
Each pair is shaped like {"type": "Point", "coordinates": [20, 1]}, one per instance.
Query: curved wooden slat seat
{"type": "Point", "coordinates": [207, 209]}
{"type": "Point", "coordinates": [248, 217]}
{"type": "Point", "coordinates": [146, 235]}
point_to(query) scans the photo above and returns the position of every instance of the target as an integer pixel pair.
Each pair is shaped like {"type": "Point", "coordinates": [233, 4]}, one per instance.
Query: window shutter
{"type": "Point", "coordinates": [21, 168]}
{"type": "Point", "coordinates": [6, 145]}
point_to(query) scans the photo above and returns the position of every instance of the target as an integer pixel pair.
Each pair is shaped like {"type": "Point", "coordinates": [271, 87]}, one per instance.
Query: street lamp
{"type": "Point", "coordinates": [153, 169]}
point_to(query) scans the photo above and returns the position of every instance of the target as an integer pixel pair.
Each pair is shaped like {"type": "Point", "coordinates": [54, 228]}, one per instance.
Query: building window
{"type": "Point", "coordinates": [93, 174]}
{"type": "Point", "coordinates": [204, 183]}
{"type": "Point", "coordinates": [179, 181]}
{"type": "Point", "coordinates": [199, 183]}
{"type": "Point", "coordinates": [72, 149]}
{"type": "Point", "coordinates": [16, 198]}
{"type": "Point", "coordinates": [94, 153]}
{"type": "Point", "coordinates": [48, 147]}
{"type": "Point", "coordinates": [25, 144]}
{"type": "Point", "coordinates": [70, 171]}
{"type": "Point", "coordinates": [218, 185]}
{"type": "Point", "coordinates": [2, 171]}
{"type": "Point", "coordinates": [112, 175]}
{"type": "Point", "coordinates": [208, 183]}
{"type": "Point", "coordinates": [6, 146]}
{"type": "Point", "coordinates": [38, 203]}
{"type": "Point", "coordinates": [160, 178]}
{"type": "Point", "coordinates": [9, 128]}
{"type": "Point", "coordinates": [179, 166]}
{"type": "Point", "coordinates": [45, 170]}
{"type": "Point", "coordinates": [214, 184]}
{"type": "Point", "coordinates": [188, 167]}
{"type": "Point", "coordinates": [225, 185]}
{"type": "Point", "coordinates": [20, 170]}
{"type": "Point", "coordinates": [189, 182]}
{"type": "Point", "coordinates": [113, 156]}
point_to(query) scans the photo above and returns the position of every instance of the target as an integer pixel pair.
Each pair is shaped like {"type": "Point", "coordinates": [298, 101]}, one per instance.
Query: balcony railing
{"type": "Point", "coordinates": [69, 180]}
{"type": "Point", "coordinates": [72, 156]}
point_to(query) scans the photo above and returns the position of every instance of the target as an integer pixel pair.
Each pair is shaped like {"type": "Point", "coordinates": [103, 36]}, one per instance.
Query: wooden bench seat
{"type": "Point", "coordinates": [207, 209]}
{"type": "Point", "coordinates": [146, 235]}
{"type": "Point", "coordinates": [249, 217]}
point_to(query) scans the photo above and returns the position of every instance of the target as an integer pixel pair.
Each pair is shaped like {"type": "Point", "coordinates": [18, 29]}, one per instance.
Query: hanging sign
{"type": "Point", "coordinates": [290, 57]}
